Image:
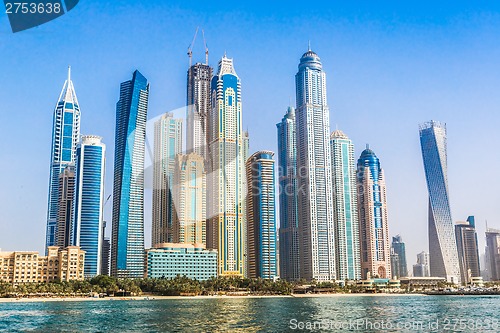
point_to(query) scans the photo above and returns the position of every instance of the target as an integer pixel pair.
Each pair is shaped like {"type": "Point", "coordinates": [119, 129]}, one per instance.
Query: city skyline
{"type": "Point", "coordinates": [340, 79]}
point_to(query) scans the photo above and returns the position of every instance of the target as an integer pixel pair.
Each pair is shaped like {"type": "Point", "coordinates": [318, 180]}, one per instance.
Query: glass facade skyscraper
{"type": "Point", "coordinates": [65, 136]}
{"type": "Point", "coordinates": [493, 253]}
{"type": "Point", "coordinates": [289, 210]}
{"type": "Point", "coordinates": [346, 208]}
{"type": "Point", "coordinates": [399, 248]}
{"type": "Point", "coordinates": [442, 244]}
{"type": "Point", "coordinates": [373, 219]}
{"type": "Point", "coordinates": [261, 216]}
{"type": "Point", "coordinates": [315, 194]}
{"type": "Point", "coordinates": [468, 249]}
{"type": "Point", "coordinates": [89, 197]}
{"type": "Point", "coordinates": [167, 144]}
{"type": "Point", "coordinates": [127, 248]}
{"type": "Point", "coordinates": [226, 172]}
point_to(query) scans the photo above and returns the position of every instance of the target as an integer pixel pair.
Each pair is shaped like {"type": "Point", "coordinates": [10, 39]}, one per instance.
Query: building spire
{"type": "Point", "coordinates": [367, 146]}
{"type": "Point", "coordinates": [309, 45]}
{"type": "Point", "coordinates": [69, 73]}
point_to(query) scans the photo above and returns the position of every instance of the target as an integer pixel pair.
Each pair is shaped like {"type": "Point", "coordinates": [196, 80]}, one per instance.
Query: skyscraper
{"type": "Point", "coordinates": [127, 248]}
{"type": "Point", "coordinates": [89, 201]}
{"type": "Point", "coordinates": [289, 210]}
{"type": "Point", "coordinates": [189, 193]}
{"type": "Point", "coordinates": [493, 253]}
{"type": "Point", "coordinates": [105, 251]}
{"type": "Point", "coordinates": [421, 269]}
{"type": "Point", "coordinates": [198, 108]}
{"type": "Point", "coordinates": [442, 243]}
{"type": "Point", "coordinates": [261, 219]}
{"type": "Point", "coordinates": [468, 250]}
{"type": "Point", "coordinates": [373, 220]}
{"type": "Point", "coordinates": [345, 207]}
{"type": "Point", "coordinates": [226, 167]}
{"type": "Point", "coordinates": [395, 264]}
{"type": "Point", "coordinates": [399, 248]}
{"type": "Point", "coordinates": [167, 144]}
{"type": "Point", "coordinates": [315, 195]}
{"type": "Point", "coordinates": [65, 136]}
{"type": "Point", "coordinates": [65, 212]}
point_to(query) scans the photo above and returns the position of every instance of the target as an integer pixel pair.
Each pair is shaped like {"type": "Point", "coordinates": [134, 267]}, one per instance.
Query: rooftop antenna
{"type": "Point", "coordinates": [206, 47]}
{"type": "Point", "coordinates": [69, 73]}
{"type": "Point", "coordinates": [309, 45]}
{"type": "Point", "coordinates": [190, 48]}
{"type": "Point", "coordinates": [367, 146]}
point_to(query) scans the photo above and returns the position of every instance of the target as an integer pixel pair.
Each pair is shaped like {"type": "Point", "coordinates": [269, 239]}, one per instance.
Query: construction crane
{"type": "Point", "coordinates": [109, 197]}
{"type": "Point", "coordinates": [190, 48]}
{"type": "Point", "coordinates": [205, 46]}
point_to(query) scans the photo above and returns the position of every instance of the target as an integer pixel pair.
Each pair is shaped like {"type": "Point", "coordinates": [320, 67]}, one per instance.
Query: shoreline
{"type": "Point", "coordinates": [159, 298]}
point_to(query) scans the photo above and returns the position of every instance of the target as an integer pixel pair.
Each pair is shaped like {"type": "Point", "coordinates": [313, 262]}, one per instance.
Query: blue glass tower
{"type": "Point", "coordinates": [65, 136]}
{"type": "Point", "coordinates": [399, 248]}
{"type": "Point", "coordinates": [442, 243]}
{"type": "Point", "coordinates": [127, 248]}
{"type": "Point", "coordinates": [315, 194]}
{"type": "Point", "coordinates": [261, 210]}
{"type": "Point", "coordinates": [89, 196]}
{"type": "Point", "coordinates": [346, 207]}
{"type": "Point", "coordinates": [289, 210]}
{"type": "Point", "coordinates": [373, 218]}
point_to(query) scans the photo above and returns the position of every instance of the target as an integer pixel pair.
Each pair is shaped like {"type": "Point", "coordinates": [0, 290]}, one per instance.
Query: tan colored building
{"type": "Point", "coordinates": [373, 218]}
{"type": "Point", "coordinates": [189, 196]}
{"type": "Point", "coordinates": [28, 266]}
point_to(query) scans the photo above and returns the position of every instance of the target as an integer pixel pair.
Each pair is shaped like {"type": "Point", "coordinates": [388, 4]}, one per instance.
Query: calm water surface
{"type": "Point", "coordinates": [328, 314]}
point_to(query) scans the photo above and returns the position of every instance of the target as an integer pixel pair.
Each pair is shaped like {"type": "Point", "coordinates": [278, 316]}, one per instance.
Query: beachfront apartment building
{"type": "Point", "coordinates": [19, 267]}
{"type": "Point", "coordinates": [169, 260]}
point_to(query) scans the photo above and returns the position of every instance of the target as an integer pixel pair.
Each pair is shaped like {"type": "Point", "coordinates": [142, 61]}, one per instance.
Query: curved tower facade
{"type": "Point", "coordinates": [127, 248]}
{"type": "Point", "coordinates": [373, 219]}
{"type": "Point", "coordinates": [261, 221]}
{"type": "Point", "coordinates": [315, 195]}
{"type": "Point", "coordinates": [442, 243]}
{"type": "Point", "coordinates": [89, 202]}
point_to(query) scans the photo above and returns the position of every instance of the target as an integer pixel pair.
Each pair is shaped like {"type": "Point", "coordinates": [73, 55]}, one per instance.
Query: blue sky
{"type": "Point", "coordinates": [389, 67]}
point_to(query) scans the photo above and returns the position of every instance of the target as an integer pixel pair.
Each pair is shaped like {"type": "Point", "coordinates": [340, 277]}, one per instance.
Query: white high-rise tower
{"type": "Point", "coordinates": [314, 170]}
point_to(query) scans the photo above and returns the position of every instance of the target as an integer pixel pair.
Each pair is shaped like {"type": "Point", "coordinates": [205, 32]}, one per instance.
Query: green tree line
{"type": "Point", "coordinates": [179, 285]}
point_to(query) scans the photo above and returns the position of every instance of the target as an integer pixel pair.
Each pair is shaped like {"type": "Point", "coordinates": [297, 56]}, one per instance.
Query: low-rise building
{"type": "Point", "coordinates": [167, 260]}
{"type": "Point", "coordinates": [379, 284]}
{"type": "Point", "coordinates": [28, 266]}
{"type": "Point", "coordinates": [421, 283]}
